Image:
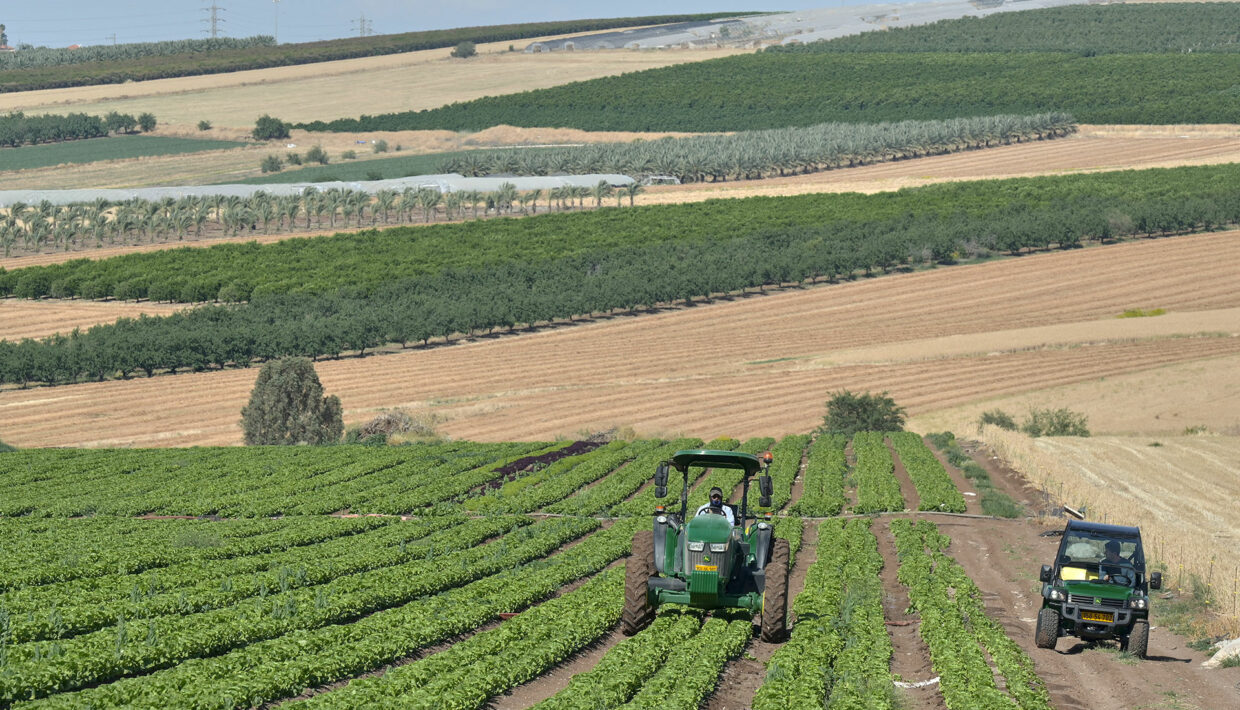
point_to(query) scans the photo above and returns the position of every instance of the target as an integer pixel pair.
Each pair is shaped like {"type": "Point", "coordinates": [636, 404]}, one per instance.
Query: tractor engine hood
{"type": "Point", "coordinates": [709, 528]}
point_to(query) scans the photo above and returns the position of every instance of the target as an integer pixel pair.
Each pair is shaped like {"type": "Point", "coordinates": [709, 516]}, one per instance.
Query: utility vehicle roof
{"type": "Point", "coordinates": [1102, 529]}
{"type": "Point", "coordinates": [713, 458]}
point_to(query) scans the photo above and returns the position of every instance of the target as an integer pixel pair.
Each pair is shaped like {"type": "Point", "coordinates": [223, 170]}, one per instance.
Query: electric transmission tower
{"type": "Point", "coordinates": [214, 20]}
{"type": "Point", "coordinates": [364, 27]}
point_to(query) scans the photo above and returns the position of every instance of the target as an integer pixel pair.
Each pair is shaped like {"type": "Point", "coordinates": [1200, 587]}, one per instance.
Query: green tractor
{"type": "Point", "coordinates": [712, 560]}
{"type": "Point", "coordinates": [1097, 589]}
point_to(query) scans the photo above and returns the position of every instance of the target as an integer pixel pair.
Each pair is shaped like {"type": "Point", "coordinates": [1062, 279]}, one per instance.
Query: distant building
{"type": "Point", "coordinates": [7, 48]}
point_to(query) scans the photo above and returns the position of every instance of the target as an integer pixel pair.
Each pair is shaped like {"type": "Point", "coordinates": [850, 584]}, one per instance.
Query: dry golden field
{"type": "Point", "coordinates": [36, 319]}
{"type": "Point", "coordinates": [348, 88]}
{"type": "Point", "coordinates": [934, 339]}
{"type": "Point", "coordinates": [1181, 490]}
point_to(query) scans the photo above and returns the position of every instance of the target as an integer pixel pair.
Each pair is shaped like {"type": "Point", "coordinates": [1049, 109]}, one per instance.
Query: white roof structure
{"type": "Point", "coordinates": [451, 182]}
{"type": "Point", "coordinates": [798, 26]}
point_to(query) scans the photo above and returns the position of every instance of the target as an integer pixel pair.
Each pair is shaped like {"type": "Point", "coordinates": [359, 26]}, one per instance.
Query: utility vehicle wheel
{"type": "Point", "coordinates": [638, 568]}
{"type": "Point", "coordinates": [1139, 639]}
{"type": "Point", "coordinates": [775, 595]}
{"type": "Point", "coordinates": [1048, 628]}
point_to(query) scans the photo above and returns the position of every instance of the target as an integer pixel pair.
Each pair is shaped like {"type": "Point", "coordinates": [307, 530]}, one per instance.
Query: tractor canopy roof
{"type": "Point", "coordinates": [711, 458]}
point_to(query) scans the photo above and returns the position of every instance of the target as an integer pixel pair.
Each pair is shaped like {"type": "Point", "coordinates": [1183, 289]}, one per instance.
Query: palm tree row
{"type": "Point", "coordinates": [45, 226]}
{"type": "Point", "coordinates": [757, 154]}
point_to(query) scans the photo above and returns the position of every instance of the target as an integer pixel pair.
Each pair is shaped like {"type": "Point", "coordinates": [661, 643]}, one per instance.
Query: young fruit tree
{"type": "Point", "coordinates": [287, 406]}
{"type": "Point", "coordinates": [849, 413]}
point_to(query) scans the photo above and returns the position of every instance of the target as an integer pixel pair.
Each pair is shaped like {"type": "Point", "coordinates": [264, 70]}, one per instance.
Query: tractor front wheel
{"type": "Point", "coordinates": [775, 595]}
{"type": "Point", "coordinates": [1047, 633]}
{"type": "Point", "coordinates": [638, 569]}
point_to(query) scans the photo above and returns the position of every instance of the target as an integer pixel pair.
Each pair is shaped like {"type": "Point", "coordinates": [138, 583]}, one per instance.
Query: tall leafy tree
{"type": "Point", "coordinates": [287, 406]}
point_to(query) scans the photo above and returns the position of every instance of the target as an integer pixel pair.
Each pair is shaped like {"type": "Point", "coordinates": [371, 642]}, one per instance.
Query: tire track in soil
{"type": "Point", "coordinates": [910, 658]}
{"type": "Point", "coordinates": [912, 500]}
{"type": "Point", "coordinates": [742, 676]}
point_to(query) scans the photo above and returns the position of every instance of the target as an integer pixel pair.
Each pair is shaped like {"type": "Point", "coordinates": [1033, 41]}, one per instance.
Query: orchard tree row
{"type": "Point", "coordinates": [459, 299]}
{"type": "Point", "coordinates": [775, 152]}
{"type": "Point", "coordinates": [777, 90]}
{"type": "Point", "coordinates": [47, 227]}
{"type": "Point", "coordinates": [19, 129]}
{"type": "Point", "coordinates": [1004, 215]}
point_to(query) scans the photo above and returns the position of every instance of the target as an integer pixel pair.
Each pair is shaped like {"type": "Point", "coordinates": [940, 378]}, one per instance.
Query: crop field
{"type": "Point", "coordinates": [97, 149]}
{"type": "Point", "coordinates": [466, 593]}
{"type": "Point", "coordinates": [38, 319]}
{"type": "Point", "coordinates": [905, 334]}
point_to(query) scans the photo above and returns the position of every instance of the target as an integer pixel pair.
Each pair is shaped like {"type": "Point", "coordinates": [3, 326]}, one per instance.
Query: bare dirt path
{"type": "Point", "coordinates": [910, 659]}
{"type": "Point", "coordinates": [1003, 558]}
{"type": "Point", "coordinates": [933, 339]}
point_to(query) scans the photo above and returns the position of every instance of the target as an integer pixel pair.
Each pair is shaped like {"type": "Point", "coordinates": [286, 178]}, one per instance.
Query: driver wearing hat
{"type": "Point", "coordinates": [717, 507]}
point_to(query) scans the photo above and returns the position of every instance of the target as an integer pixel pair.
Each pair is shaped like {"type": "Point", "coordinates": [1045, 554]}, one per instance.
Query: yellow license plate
{"type": "Point", "coordinates": [1097, 616]}
{"type": "Point", "coordinates": [715, 568]}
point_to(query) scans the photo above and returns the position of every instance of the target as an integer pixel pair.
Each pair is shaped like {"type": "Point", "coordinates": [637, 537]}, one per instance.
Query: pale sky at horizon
{"type": "Point", "coordinates": [60, 23]}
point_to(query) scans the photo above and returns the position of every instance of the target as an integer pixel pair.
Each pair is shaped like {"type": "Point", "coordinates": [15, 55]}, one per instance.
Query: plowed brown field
{"type": "Point", "coordinates": [750, 366]}
{"type": "Point", "coordinates": [36, 319]}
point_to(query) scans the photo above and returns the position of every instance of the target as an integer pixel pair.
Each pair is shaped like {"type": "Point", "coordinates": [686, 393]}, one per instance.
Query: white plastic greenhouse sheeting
{"type": "Point", "coordinates": [451, 182]}
{"type": "Point", "coordinates": [802, 25]}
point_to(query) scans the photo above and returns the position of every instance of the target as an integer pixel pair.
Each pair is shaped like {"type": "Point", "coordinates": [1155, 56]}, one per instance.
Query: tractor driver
{"type": "Point", "coordinates": [716, 506]}
{"type": "Point", "coordinates": [1114, 565]}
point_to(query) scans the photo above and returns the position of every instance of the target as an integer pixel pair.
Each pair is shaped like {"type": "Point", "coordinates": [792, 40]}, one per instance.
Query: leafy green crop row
{"type": "Point", "coordinates": [643, 503]}
{"type": "Point", "coordinates": [488, 663]}
{"type": "Point", "coordinates": [282, 667]}
{"type": "Point", "coordinates": [177, 591]}
{"type": "Point", "coordinates": [839, 651]}
{"type": "Point", "coordinates": [250, 482]}
{"type": "Point", "coordinates": [877, 487]}
{"type": "Point", "coordinates": [559, 480]}
{"type": "Point", "coordinates": [785, 465]}
{"type": "Point", "coordinates": [162, 545]}
{"type": "Point", "coordinates": [822, 487]}
{"type": "Point", "coordinates": [36, 669]}
{"type": "Point", "coordinates": [692, 671]}
{"type": "Point", "coordinates": [621, 484]}
{"type": "Point", "coordinates": [627, 666]}
{"type": "Point", "coordinates": [957, 630]}
{"type": "Point", "coordinates": [934, 486]}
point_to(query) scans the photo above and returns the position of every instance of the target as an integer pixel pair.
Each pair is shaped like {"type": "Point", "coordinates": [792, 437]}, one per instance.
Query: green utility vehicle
{"type": "Point", "coordinates": [712, 560]}
{"type": "Point", "coordinates": [1097, 588]}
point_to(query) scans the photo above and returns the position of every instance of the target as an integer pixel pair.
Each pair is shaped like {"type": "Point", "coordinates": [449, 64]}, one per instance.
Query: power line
{"type": "Point", "coordinates": [214, 20]}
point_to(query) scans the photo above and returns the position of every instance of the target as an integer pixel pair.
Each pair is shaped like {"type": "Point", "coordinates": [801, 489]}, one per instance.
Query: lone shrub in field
{"type": "Point", "coordinates": [267, 128]}
{"type": "Point", "coordinates": [204, 125]}
{"type": "Point", "coordinates": [464, 50]}
{"type": "Point", "coordinates": [287, 406]}
{"type": "Point", "coordinates": [272, 164]}
{"type": "Point", "coordinates": [997, 417]}
{"type": "Point", "coordinates": [1055, 422]}
{"type": "Point", "coordinates": [317, 155]}
{"type": "Point", "coordinates": [146, 122]}
{"type": "Point", "coordinates": [849, 413]}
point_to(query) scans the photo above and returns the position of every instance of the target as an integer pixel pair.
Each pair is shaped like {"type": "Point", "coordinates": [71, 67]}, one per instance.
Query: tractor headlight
{"type": "Point", "coordinates": [1057, 595]}
{"type": "Point", "coordinates": [1138, 603]}
{"type": "Point", "coordinates": [719, 547]}
{"type": "Point", "coordinates": [697, 546]}
{"type": "Point", "coordinates": [662, 519]}
{"type": "Point", "coordinates": [763, 526]}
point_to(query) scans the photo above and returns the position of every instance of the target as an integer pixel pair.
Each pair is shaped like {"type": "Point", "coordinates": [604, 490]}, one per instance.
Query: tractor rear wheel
{"type": "Point", "coordinates": [638, 569]}
{"type": "Point", "coordinates": [775, 595]}
{"type": "Point", "coordinates": [1047, 633]}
